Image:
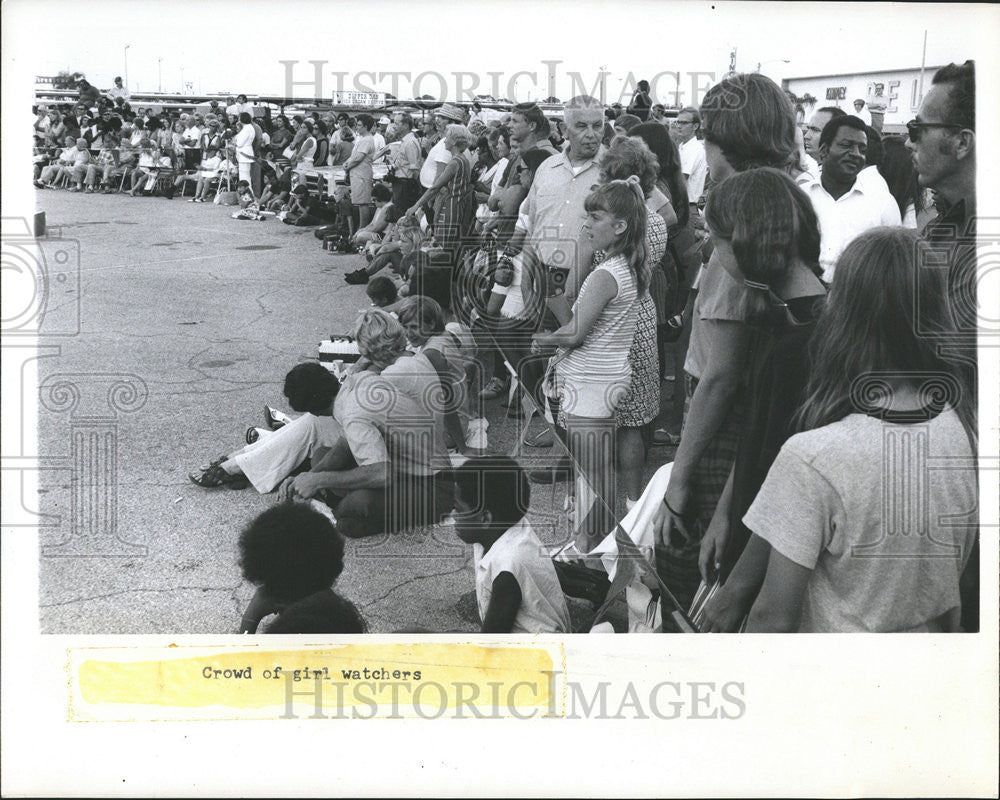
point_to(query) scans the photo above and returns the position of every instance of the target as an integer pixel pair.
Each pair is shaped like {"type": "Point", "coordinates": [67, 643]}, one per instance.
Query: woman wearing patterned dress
{"type": "Point", "coordinates": [641, 405]}
{"type": "Point", "coordinates": [454, 205]}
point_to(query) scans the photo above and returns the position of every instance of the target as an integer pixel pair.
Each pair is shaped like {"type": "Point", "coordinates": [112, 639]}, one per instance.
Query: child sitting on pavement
{"type": "Point", "coordinates": [294, 554]}
{"type": "Point", "coordinates": [516, 585]}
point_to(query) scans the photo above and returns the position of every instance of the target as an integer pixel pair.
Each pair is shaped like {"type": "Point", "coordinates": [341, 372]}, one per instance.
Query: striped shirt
{"type": "Point", "coordinates": [603, 355]}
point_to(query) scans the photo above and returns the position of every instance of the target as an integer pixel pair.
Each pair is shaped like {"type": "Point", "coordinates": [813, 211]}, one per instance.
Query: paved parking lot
{"type": "Point", "coordinates": [189, 321]}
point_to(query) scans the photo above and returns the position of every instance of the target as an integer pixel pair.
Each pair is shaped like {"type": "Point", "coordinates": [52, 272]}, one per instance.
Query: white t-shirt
{"type": "Point", "coordinates": [194, 134]}
{"type": "Point", "coordinates": [865, 206]}
{"type": "Point", "coordinates": [521, 553]}
{"type": "Point", "coordinates": [244, 144]}
{"type": "Point", "coordinates": [379, 141]}
{"type": "Point", "coordinates": [883, 514]}
{"type": "Point", "coordinates": [694, 165]}
{"type": "Point", "coordinates": [438, 154]}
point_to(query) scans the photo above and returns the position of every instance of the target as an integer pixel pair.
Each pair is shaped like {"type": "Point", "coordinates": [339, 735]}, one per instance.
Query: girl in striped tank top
{"type": "Point", "coordinates": [590, 370]}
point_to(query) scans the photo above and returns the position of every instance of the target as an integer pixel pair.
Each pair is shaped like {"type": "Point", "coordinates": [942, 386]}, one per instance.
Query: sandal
{"type": "Point", "coordinates": [215, 476]}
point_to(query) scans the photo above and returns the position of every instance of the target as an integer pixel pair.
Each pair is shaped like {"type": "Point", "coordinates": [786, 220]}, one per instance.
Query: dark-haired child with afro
{"type": "Point", "coordinates": [311, 389]}
{"type": "Point", "coordinates": [516, 585]}
{"type": "Point", "coordinates": [294, 554]}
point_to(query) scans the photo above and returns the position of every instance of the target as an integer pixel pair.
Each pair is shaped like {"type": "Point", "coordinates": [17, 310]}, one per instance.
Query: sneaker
{"type": "Point", "coordinates": [356, 278]}
{"type": "Point", "coordinates": [275, 419]}
{"type": "Point", "coordinates": [497, 387]}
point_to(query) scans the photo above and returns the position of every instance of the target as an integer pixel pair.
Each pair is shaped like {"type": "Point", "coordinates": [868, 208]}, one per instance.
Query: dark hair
{"type": "Point", "coordinates": [342, 116]}
{"type": "Point", "coordinates": [834, 125]}
{"type": "Point", "coordinates": [406, 121]}
{"type": "Point", "coordinates": [623, 199]}
{"type": "Point", "coordinates": [292, 551]}
{"type": "Point", "coordinates": [833, 111]}
{"type": "Point", "coordinates": [771, 225]}
{"type": "Point", "coordinates": [245, 117]}
{"type": "Point", "coordinates": [241, 95]}
{"type": "Point", "coordinates": [382, 288]}
{"type": "Point", "coordinates": [751, 120]}
{"type": "Point", "coordinates": [366, 120]}
{"type": "Point", "coordinates": [496, 484]}
{"type": "Point", "coordinates": [321, 612]}
{"type": "Point", "coordinates": [627, 121]}
{"type": "Point", "coordinates": [321, 126]}
{"type": "Point", "coordinates": [642, 86]}
{"type": "Point", "coordinates": [532, 113]}
{"type": "Point", "coordinates": [665, 150]}
{"type": "Point", "coordinates": [310, 387]}
{"type": "Point", "coordinates": [869, 326]}
{"type": "Point", "coordinates": [961, 82]}
{"type": "Point", "coordinates": [534, 157]}
{"type": "Point", "coordinates": [873, 155]}
{"type": "Point", "coordinates": [426, 312]}
{"type": "Point", "coordinates": [900, 175]}
{"type": "Point", "coordinates": [381, 192]}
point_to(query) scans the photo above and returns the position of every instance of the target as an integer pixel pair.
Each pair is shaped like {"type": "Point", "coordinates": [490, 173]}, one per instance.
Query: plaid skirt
{"type": "Point", "coordinates": [678, 564]}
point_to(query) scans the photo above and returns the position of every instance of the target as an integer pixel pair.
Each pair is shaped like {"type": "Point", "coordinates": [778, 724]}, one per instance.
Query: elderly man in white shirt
{"type": "Point", "coordinates": [845, 205]}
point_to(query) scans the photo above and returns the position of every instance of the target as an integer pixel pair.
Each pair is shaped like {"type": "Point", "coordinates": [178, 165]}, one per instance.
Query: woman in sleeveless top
{"type": "Point", "coordinates": [590, 371]}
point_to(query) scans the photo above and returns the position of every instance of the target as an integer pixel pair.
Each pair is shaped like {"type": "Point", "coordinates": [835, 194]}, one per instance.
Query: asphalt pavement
{"type": "Point", "coordinates": [188, 322]}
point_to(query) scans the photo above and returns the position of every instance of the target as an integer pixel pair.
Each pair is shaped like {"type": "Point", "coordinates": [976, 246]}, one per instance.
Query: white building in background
{"type": "Point", "coordinates": [896, 91]}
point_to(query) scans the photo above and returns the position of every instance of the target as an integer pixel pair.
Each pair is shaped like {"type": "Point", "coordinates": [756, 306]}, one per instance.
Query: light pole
{"type": "Point", "coordinates": [126, 64]}
{"type": "Point", "coordinates": [159, 74]}
{"type": "Point", "coordinates": [773, 61]}
{"type": "Point", "coordinates": [603, 79]}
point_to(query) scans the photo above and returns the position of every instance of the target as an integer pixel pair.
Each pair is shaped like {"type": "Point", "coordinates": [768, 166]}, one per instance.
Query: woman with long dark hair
{"type": "Point", "coordinates": [900, 174]}
{"type": "Point", "coordinates": [859, 534]}
{"type": "Point", "coordinates": [768, 224]}
{"type": "Point", "coordinates": [670, 181]}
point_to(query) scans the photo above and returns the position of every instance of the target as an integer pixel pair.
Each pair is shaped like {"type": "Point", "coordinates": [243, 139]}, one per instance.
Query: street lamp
{"type": "Point", "coordinates": [603, 79]}
{"type": "Point", "coordinates": [126, 64]}
{"type": "Point", "coordinates": [773, 61]}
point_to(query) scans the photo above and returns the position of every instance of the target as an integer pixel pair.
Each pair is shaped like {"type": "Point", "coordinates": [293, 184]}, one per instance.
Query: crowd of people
{"type": "Point", "coordinates": [807, 289]}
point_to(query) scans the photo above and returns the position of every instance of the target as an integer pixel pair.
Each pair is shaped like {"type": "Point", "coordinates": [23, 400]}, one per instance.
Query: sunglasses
{"type": "Point", "coordinates": [915, 129]}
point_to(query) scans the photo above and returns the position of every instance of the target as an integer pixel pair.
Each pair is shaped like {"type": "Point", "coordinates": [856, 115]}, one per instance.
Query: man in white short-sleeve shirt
{"type": "Point", "coordinates": [846, 206]}
{"type": "Point", "coordinates": [692, 151]}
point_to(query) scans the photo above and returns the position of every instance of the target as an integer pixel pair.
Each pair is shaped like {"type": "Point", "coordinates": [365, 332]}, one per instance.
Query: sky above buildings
{"type": "Point", "coordinates": [520, 50]}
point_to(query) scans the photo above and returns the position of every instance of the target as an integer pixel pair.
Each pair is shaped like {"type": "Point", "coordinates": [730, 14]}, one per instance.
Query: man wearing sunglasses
{"type": "Point", "coordinates": [942, 140]}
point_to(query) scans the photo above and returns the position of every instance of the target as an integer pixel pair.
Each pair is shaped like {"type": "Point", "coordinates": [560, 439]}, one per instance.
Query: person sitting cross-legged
{"type": "Point", "coordinates": [391, 470]}
{"type": "Point", "coordinates": [311, 389]}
